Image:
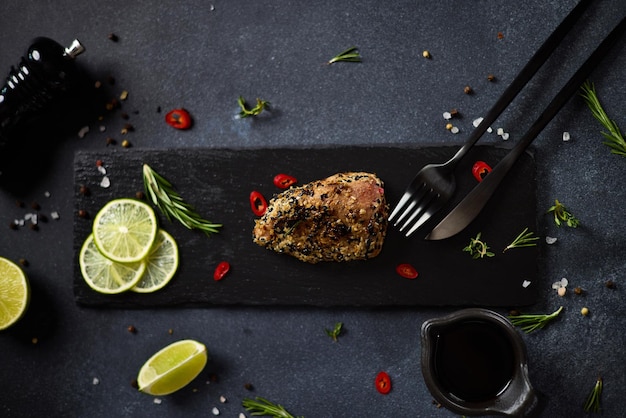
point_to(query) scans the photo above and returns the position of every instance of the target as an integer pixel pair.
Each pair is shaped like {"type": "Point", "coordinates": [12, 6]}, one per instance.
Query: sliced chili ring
{"type": "Point", "coordinates": [406, 270]}
{"type": "Point", "coordinates": [284, 181]}
{"type": "Point", "coordinates": [480, 169]}
{"type": "Point", "coordinates": [258, 203]}
{"type": "Point", "coordinates": [383, 383]}
{"type": "Point", "coordinates": [220, 271]}
{"type": "Point", "coordinates": [178, 119]}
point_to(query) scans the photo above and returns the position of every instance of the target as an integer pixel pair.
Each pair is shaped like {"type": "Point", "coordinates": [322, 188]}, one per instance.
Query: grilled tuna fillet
{"type": "Point", "coordinates": [340, 218]}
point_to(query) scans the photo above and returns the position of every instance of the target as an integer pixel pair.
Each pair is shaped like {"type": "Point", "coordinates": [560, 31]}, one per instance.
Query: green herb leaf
{"type": "Point", "coordinates": [533, 322]}
{"type": "Point", "coordinates": [524, 239]}
{"type": "Point", "coordinates": [349, 55]}
{"type": "Point", "coordinates": [592, 404]}
{"type": "Point", "coordinates": [478, 248]}
{"type": "Point", "coordinates": [162, 194]}
{"type": "Point", "coordinates": [334, 333]}
{"type": "Point", "coordinates": [613, 138]}
{"type": "Point", "coordinates": [261, 105]}
{"type": "Point", "coordinates": [262, 407]}
{"type": "Point", "coordinates": [561, 214]}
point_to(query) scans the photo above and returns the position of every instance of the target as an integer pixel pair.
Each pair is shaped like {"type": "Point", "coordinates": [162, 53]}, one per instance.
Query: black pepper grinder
{"type": "Point", "coordinates": [44, 75]}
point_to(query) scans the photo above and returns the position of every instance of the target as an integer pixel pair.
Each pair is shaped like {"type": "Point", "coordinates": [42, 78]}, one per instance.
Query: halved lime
{"type": "Point", "coordinates": [125, 229]}
{"type": "Point", "coordinates": [14, 293]}
{"type": "Point", "coordinates": [105, 275]}
{"type": "Point", "coordinates": [161, 264]}
{"type": "Point", "coordinates": [172, 368]}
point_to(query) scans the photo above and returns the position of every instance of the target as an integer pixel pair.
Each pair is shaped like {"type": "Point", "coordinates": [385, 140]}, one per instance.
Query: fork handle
{"type": "Point", "coordinates": [529, 70]}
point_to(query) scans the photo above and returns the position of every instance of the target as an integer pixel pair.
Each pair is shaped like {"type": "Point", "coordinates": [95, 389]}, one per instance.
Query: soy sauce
{"type": "Point", "coordinates": [474, 360]}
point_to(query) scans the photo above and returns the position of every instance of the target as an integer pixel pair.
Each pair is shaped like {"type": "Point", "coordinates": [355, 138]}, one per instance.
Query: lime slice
{"type": "Point", "coordinates": [172, 368]}
{"type": "Point", "coordinates": [124, 230]}
{"type": "Point", "coordinates": [105, 275]}
{"type": "Point", "coordinates": [161, 264]}
{"type": "Point", "coordinates": [14, 293]}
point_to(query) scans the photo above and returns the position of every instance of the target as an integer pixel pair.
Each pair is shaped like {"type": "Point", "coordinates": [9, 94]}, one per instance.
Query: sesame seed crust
{"type": "Point", "coordinates": [340, 218]}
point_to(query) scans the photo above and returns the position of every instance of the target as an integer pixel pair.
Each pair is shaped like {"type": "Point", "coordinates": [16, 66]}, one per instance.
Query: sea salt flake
{"type": "Point", "coordinates": [566, 136]}
{"type": "Point", "coordinates": [105, 183]}
{"type": "Point", "coordinates": [525, 283]}
{"type": "Point", "coordinates": [102, 169]}
{"type": "Point", "coordinates": [447, 115]}
{"type": "Point", "coordinates": [505, 136]}
{"type": "Point", "coordinates": [454, 130]}
{"type": "Point", "coordinates": [55, 215]}
{"type": "Point", "coordinates": [550, 240]}
{"type": "Point", "coordinates": [95, 381]}
{"type": "Point", "coordinates": [157, 401]}
{"type": "Point", "coordinates": [490, 129]}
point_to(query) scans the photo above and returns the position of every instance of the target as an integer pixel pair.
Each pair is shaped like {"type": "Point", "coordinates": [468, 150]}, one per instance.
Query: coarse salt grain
{"type": "Point", "coordinates": [550, 240]}
{"type": "Point", "coordinates": [105, 183]}
{"type": "Point", "coordinates": [525, 283]}
{"type": "Point", "coordinates": [215, 411]}
{"type": "Point", "coordinates": [447, 115]}
{"type": "Point", "coordinates": [223, 399]}
{"type": "Point", "coordinates": [242, 415]}
{"type": "Point", "coordinates": [55, 215]}
{"type": "Point", "coordinates": [505, 136]}
{"type": "Point", "coordinates": [500, 131]}
{"type": "Point", "coordinates": [566, 136]}
{"type": "Point", "coordinates": [454, 130]}
{"type": "Point", "coordinates": [46, 194]}
{"type": "Point", "coordinates": [95, 381]}
{"type": "Point", "coordinates": [83, 131]}
{"type": "Point", "coordinates": [102, 170]}
{"type": "Point", "coordinates": [490, 129]}
{"type": "Point", "coordinates": [477, 122]}
{"type": "Point", "coordinates": [157, 401]}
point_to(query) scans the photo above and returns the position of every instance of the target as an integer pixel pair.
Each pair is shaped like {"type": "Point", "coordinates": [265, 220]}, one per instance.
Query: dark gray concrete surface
{"type": "Point", "coordinates": [202, 55]}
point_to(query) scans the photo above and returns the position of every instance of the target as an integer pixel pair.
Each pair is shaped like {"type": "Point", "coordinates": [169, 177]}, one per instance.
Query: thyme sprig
{"type": "Point", "coordinates": [478, 248]}
{"type": "Point", "coordinates": [334, 333]}
{"type": "Point", "coordinates": [532, 322]}
{"type": "Point", "coordinates": [561, 214]}
{"type": "Point", "coordinates": [261, 105]}
{"type": "Point", "coordinates": [592, 404]}
{"type": "Point", "coordinates": [613, 138]}
{"type": "Point", "coordinates": [162, 194]}
{"type": "Point", "coordinates": [262, 407]}
{"type": "Point", "coordinates": [524, 239]}
{"type": "Point", "coordinates": [349, 55]}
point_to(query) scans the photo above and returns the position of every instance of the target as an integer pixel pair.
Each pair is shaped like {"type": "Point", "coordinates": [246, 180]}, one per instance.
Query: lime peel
{"type": "Point", "coordinates": [14, 293]}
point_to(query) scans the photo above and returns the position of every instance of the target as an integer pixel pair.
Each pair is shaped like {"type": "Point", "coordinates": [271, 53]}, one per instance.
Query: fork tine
{"type": "Point", "coordinates": [420, 210]}
{"type": "Point", "coordinates": [405, 197]}
{"type": "Point", "coordinates": [415, 198]}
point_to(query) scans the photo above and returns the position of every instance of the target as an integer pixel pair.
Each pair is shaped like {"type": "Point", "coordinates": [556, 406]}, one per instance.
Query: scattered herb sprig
{"type": "Point", "coordinates": [613, 138]}
{"type": "Point", "coordinates": [162, 194]}
{"type": "Point", "coordinates": [562, 215]}
{"type": "Point", "coordinates": [524, 239]}
{"type": "Point", "coordinates": [334, 333]}
{"type": "Point", "coordinates": [261, 105]}
{"type": "Point", "coordinates": [531, 322]}
{"type": "Point", "coordinates": [262, 407]}
{"type": "Point", "coordinates": [478, 248]}
{"type": "Point", "coordinates": [349, 55]}
{"type": "Point", "coordinates": [592, 404]}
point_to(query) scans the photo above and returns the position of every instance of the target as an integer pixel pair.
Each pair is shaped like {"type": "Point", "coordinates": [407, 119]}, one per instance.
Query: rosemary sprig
{"type": "Point", "coordinates": [561, 214]}
{"type": "Point", "coordinates": [532, 322]}
{"type": "Point", "coordinates": [349, 55]}
{"type": "Point", "coordinates": [613, 138]}
{"type": "Point", "coordinates": [162, 194]}
{"type": "Point", "coordinates": [524, 239]}
{"type": "Point", "coordinates": [262, 407]}
{"type": "Point", "coordinates": [478, 248]}
{"type": "Point", "coordinates": [334, 333]}
{"type": "Point", "coordinates": [592, 404]}
{"type": "Point", "coordinates": [261, 105]}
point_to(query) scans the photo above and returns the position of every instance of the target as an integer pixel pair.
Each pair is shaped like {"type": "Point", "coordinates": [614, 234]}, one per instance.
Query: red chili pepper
{"type": "Point", "coordinates": [178, 118]}
{"type": "Point", "coordinates": [480, 170]}
{"type": "Point", "coordinates": [406, 270]}
{"type": "Point", "coordinates": [383, 383]}
{"type": "Point", "coordinates": [284, 181]}
{"type": "Point", "coordinates": [258, 203]}
{"type": "Point", "coordinates": [221, 270]}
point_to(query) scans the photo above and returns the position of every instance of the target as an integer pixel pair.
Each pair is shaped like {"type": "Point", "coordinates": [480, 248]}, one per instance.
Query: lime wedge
{"type": "Point", "coordinates": [172, 368]}
{"type": "Point", "coordinates": [105, 275]}
{"type": "Point", "coordinates": [14, 293]}
{"type": "Point", "coordinates": [161, 264]}
{"type": "Point", "coordinates": [124, 230]}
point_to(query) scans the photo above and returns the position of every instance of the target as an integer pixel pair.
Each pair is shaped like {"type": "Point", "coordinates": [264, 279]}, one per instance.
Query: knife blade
{"type": "Point", "coordinates": [465, 212]}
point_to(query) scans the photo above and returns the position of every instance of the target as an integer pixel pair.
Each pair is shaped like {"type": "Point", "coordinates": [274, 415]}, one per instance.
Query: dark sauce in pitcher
{"type": "Point", "coordinates": [474, 360]}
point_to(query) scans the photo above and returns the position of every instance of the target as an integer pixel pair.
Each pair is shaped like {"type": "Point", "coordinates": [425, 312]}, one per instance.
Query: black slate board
{"type": "Point", "coordinates": [218, 182]}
